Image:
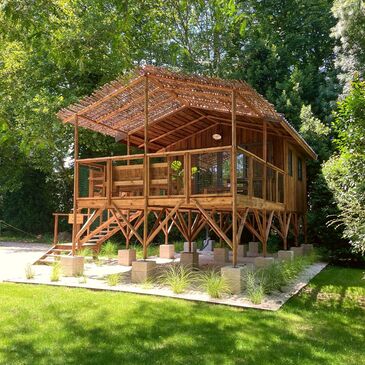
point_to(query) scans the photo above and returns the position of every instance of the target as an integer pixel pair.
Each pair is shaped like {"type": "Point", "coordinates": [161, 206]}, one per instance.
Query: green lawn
{"type": "Point", "coordinates": [325, 324]}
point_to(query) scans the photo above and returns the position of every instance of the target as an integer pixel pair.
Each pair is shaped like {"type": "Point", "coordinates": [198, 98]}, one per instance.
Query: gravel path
{"type": "Point", "coordinates": [15, 255]}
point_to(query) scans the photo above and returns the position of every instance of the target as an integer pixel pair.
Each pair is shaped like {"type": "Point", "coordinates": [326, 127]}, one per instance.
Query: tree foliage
{"type": "Point", "coordinates": [350, 32]}
{"type": "Point", "coordinates": [345, 171]}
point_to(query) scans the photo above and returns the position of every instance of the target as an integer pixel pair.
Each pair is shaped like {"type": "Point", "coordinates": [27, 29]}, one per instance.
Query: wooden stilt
{"type": "Point", "coordinates": [145, 171]}
{"type": "Point", "coordinates": [76, 184]}
{"type": "Point", "coordinates": [264, 238]}
{"type": "Point", "coordinates": [55, 232]}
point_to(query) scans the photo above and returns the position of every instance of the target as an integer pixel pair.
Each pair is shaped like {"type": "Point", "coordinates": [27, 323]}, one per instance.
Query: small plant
{"type": "Point", "coordinates": [29, 272]}
{"type": "Point", "coordinates": [114, 279]}
{"type": "Point", "coordinates": [272, 277]}
{"type": "Point", "coordinates": [177, 277]}
{"type": "Point", "coordinates": [147, 284]}
{"type": "Point", "coordinates": [214, 284]}
{"type": "Point", "coordinates": [83, 279]}
{"type": "Point", "coordinates": [256, 294]}
{"type": "Point", "coordinates": [56, 272]}
{"type": "Point", "coordinates": [86, 252]}
{"type": "Point", "coordinates": [255, 289]}
{"type": "Point", "coordinates": [109, 249]}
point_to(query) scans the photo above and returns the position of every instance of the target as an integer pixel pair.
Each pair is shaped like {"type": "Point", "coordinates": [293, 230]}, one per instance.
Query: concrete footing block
{"type": "Point", "coordinates": [284, 255]}
{"type": "Point", "coordinates": [193, 247]}
{"type": "Point", "coordinates": [220, 255]}
{"type": "Point", "coordinates": [242, 250]}
{"type": "Point", "coordinates": [298, 251]}
{"type": "Point", "coordinates": [189, 259]}
{"type": "Point", "coordinates": [72, 265]}
{"type": "Point", "coordinates": [307, 248]}
{"type": "Point", "coordinates": [167, 251]}
{"type": "Point", "coordinates": [142, 271]}
{"type": "Point", "coordinates": [234, 277]}
{"type": "Point", "coordinates": [126, 257]}
{"type": "Point", "coordinates": [261, 262]}
{"type": "Point", "coordinates": [253, 249]}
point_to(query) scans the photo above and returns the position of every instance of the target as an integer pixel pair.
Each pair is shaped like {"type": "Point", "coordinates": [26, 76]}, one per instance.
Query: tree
{"type": "Point", "coordinates": [345, 171]}
{"type": "Point", "coordinates": [350, 31]}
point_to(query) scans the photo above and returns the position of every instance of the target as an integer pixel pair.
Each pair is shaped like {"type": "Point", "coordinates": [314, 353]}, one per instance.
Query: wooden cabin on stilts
{"type": "Point", "coordinates": [213, 153]}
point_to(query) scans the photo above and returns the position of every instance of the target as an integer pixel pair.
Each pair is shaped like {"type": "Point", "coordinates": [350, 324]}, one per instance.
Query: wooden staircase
{"type": "Point", "coordinates": [88, 239]}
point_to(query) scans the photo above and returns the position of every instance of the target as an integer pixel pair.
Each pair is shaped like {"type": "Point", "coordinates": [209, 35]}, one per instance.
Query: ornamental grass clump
{"type": "Point", "coordinates": [56, 271]}
{"type": "Point", "coordinates": [213, 283]}
{"type": "Point", "coordinates": [272, 278]}
{"type": "Point", "coordinates": [254, 288]}
{"type": "Point", "coordinates": [114, 279]}
{"type": "Point", "coordinates": [86, 252]}
{"type": "Point", "coordinates": [177, 277]}
{"type": "Point", "coordinates": [29, 272]}
{"type": "Point", "coordinates": [109, 250]}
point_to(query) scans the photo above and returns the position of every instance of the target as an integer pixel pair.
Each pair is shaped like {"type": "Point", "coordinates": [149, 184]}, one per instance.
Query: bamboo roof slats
{"type": "Point", "coordinates": [175, 99]}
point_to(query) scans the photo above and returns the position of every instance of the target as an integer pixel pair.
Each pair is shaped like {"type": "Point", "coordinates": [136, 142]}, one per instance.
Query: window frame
{"type": "Point", "coordinates": [290, 162]}
{"type": "Point", "coordinates": [300, 169]}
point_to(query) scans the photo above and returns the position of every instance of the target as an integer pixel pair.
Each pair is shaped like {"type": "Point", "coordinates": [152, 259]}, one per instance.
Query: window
{"type": "Point", "coordinates": [300, 169]}
{"type": "Point", "coordinates": [290, 163]}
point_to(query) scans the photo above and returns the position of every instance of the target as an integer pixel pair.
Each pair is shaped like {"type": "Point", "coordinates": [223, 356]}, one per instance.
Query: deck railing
{"type": "Point", "coordinates": [186, 174]}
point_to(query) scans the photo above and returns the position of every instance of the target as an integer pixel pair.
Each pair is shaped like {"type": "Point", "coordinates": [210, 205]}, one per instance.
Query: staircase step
{"type": "Point", "coordinates": [50, 255]}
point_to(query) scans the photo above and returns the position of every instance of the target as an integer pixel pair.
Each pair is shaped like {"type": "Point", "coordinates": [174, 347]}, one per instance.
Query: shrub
{"type": "Point", "coordinates": [29, 272]}
{"type": "Point", "coordinates": [114, 279]}
{"type": "Point", "coordinates": [56, 272]}
{"type": "Point", "coordinates": [214, 284]}
{"type": "Point", "coordinates": [109, 249]}
{"type": "Point", "coordinates": [177, 277]}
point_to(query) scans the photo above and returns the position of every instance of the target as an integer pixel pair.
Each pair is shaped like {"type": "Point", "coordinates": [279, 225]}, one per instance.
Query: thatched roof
{"type": "Point", "coordinates": [174, 100]}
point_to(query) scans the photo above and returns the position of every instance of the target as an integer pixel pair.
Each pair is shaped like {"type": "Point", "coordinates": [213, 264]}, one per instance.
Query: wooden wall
{"type": "Point", "coordinates": [296, 189]}
{"type": "Point", "coordinates": [277, 152]}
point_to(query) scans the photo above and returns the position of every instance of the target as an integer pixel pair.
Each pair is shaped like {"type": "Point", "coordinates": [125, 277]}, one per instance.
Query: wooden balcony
{"type": "Point", "coordinates": [202, 175]}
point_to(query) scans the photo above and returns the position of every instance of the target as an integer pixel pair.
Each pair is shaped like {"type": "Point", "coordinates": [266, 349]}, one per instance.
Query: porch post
{"type": "Point", "coordinates": [145, 170]}
{"type": "Point", "coordinates": [264, 156]}
{"type": "Point", "coordinates": [234, 181]}
{"type": "Point", "coordinates": [128, 147]}
{"type": "Point", "coordinates": [76, 184]}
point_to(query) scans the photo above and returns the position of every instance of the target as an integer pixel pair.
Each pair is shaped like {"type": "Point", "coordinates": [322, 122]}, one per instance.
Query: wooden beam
{"type": "Point", "coordinates": [213, 224]}
{"type": "Point", "coordinates": [163, 223]}
{"type": "Point", "coordinates": [123, 107]}
{"type": "Point", "coordinates": [177, 129]}
{"type": "Point", "coordinates": [104, 99]}
{"type": "Point", "coordinates": [140, 115]}
{"type": "Point", "coordinates": [269, 225]}
{"type": "Point", "coordinates": [184, 139]}
{"type": "Point", "coordinates": [158, 119]}
{"type": "Point", "coordinates": [125, 234]}
{"type": "Point", "coordinates": [242, 224]}
{"type": "Point", "coordinates": [95, 214]}
{"type": "Point", "coordinates": [128, 224]}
